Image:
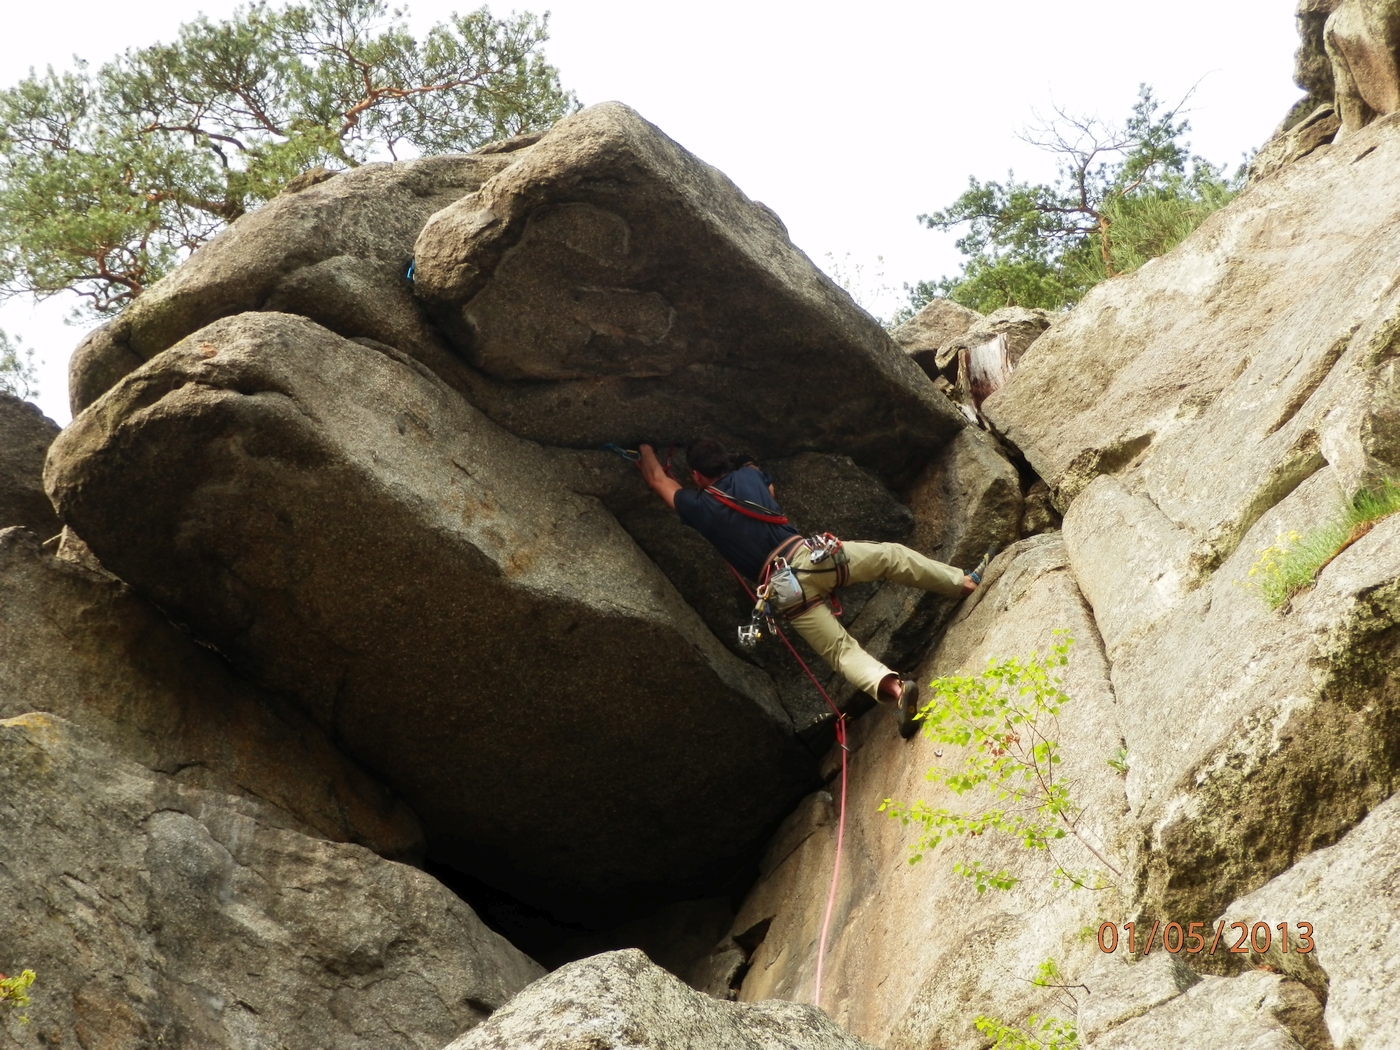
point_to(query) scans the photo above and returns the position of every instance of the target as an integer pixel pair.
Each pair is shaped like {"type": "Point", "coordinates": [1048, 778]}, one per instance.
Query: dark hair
{"type": "Point", "coordinates": [709, 457]}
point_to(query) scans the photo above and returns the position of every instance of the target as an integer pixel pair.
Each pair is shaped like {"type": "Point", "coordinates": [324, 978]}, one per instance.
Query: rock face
{"type": "Point", "coordinates": [81, 645]}
{"type": "Point", "coordinates": [335, 250]}
{"type": "Point", "coordinates": [936, 951]}
{"type": "Point", "coordinates": [1347, 893]}
{"type": "Point", "coordinates": [1348, 63]}
{"type": "Point", "coordinates": [620, 1000]}
{"type": "Point", "coordinates": [1178, 463]}
{"type": "Point", "coordinates": [1363, 44]}
{"type": "Point", "coordinates": [1259, 1010]}
{"type": "Point", "coordinates": [353, 535]}
{"type": "Point", "coordinates": [611, 285]}
{"type": "Point", "coordinates": [25, 435]}
{"type": "Point", "coordinates": [160, 914]}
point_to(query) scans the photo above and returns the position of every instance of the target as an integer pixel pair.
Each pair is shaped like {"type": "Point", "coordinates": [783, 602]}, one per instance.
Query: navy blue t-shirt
{"type": "Point", "coordinates": [743, 542]}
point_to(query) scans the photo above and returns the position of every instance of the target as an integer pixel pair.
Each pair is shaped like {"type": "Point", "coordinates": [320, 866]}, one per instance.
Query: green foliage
{"type": "Point", "coordinates": [1118, 761]}
{"type": "Point", "coordinates": [109, 178]}
{"type": "Point", "coordinates": [1292, 562]}
{"type": "Point", "coordinates": [1000, 720]}
{"type": "Point", "coordinates": [1038, 1033]}
{"type": "Point", "coordinates": [17, 374]}
{"type": "Point", "coordinates": [14, 994]}
{"type": "Point", "coordinates": [1123, 194]}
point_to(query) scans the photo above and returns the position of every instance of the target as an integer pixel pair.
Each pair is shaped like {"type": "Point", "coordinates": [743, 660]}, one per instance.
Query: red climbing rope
{"type": "Point", "coordinates": [841, 812]}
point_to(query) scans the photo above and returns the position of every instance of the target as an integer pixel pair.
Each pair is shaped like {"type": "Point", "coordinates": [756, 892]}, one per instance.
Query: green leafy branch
{"type": "Point", "coordinates": [14, 993]}
{"type": "Point", "coordinates": [111, 175]}
{"type": "Point", "coordinates": [1037, 1032]}
{"type": "Point", "coordinates": [1000, 721]}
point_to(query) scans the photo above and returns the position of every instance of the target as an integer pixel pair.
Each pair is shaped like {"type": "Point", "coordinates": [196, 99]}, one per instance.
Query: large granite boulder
{"type": "Point", "coordinates": [335, 250]}
{"type": "Point", "coordinates": [928, 336]}
{"type": "Point", "coordinates": [1312, 121]}
{"type": "Point", "coordinates": [1254, 736]}
{"type": "Point", "coordinates": [352, 534]}
{"type": "Point", "coordinates": [25, 435]}
{"type": "Point", "coordinates": [620, 1000]}
{"type": "Point", "coordinates": [79, 644]}
{"type": "Point", "coordinates": [1261, 1011]}
{"type": "Point", "coordinates": [160, 914]}
{"type": "Point", "coordinates": [612, 286]}
{"type": "Point", "coordinates": [1363, 44]}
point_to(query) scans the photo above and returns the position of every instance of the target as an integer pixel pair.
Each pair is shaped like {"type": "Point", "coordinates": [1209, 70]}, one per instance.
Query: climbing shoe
{"type": "Point", "coordinates": [908, 708]}
{"type": "Point", "coordinates": [981, 569]}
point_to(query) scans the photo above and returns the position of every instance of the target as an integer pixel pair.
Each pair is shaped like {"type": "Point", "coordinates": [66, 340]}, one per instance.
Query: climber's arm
{"type": "Point", "coordinates": [655, 475]}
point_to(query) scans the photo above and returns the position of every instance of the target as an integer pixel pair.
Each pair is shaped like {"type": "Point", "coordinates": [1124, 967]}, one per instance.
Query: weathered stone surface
{"type": "Point", "coordinates": [1363, 44]}
{"type": "Point", "coordinates": [81, 645]}
{"type": "Point", "coordinates": [25, 435]}
{"type": "Point", "coordinates": [613, 286]}
{"type": "Point", "coordinates": [620, 1000]}
{"type": "Point", "coordinates": [160, 914]}
{"type": "Point", "coordinates": [1227, 358]}
{"type": "Point", "coordinates": [900, 971]}
{"type": "Point", "coordinates": [352, 534]}
{"type": "Point", "coordinates": [1253, 736]}
{"type": "Point", "coordinates": [1295, 139]}
{"type": "Point", "coordinates": [1038, 513]}
{"type": "Point", "coordinates": [1312, 69]}
{"type": "Point", "coordinates": [1348, 893]}
{"type": "Point", "coordinates": [335, 249]}
{"type": "Point", "coordinates": [1256, 1011]}
{"type": "Point", "coordinates": [1121, 987]}
{"type": "Point", "coordinates": [938, 325]}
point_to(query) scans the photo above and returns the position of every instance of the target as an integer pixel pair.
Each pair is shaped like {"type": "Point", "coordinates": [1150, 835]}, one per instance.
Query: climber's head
{"type": "Point", "coordinates": [709, 461]}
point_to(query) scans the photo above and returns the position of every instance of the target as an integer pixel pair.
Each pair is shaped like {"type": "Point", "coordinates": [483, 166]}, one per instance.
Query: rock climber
{"type": "Point", "coordinates": [734, 507]}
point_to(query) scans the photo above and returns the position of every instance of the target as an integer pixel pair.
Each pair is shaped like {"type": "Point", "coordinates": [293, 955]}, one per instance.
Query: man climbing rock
{"type": "Point", "coordinates": [734, 507]}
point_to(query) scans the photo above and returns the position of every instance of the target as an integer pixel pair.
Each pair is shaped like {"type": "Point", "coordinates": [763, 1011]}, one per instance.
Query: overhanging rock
{"type": "Point", "coordinates": [351, 533]}
{"type": "Point", "coordinates": [335, 251]}
{"type": "Point", "coordinates": [610, 285]}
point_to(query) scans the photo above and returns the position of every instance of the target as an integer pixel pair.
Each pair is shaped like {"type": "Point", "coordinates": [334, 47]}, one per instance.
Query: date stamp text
{"type": "Point", "coordinates": [1196, 937]}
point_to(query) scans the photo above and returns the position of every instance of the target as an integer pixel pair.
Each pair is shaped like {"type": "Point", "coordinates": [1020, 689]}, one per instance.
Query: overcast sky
{"type": "Point", "coordinates": [847, 119]}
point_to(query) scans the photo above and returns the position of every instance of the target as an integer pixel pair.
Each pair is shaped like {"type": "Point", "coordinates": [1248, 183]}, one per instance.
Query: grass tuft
{"type": "Point", "coordinates": [1292, 562]}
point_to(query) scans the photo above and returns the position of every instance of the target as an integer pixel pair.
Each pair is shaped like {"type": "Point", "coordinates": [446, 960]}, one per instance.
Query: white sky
{"type": "Point", "coordinates": [847, 119]}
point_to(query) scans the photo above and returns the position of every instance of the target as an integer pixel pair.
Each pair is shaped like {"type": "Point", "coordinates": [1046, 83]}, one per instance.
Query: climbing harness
{"type": "Point", "coordinates": [780, 589]}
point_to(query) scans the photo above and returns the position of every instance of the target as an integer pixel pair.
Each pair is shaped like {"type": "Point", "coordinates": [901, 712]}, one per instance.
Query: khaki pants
{"type": "Point", "coordinates": [867, 561]}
